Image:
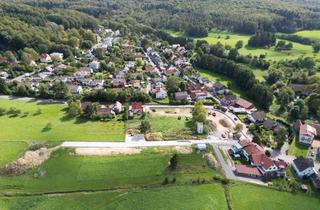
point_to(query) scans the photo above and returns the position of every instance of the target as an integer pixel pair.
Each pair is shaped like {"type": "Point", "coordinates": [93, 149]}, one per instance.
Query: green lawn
{"type": "Point", "coordinates": [222, 36]}
{"type": "Point", "coordinates": [251, 197]}
{"type": "Point", "coordinates": [10, 151]}
{"type": "Point", "coordinates": [32, 126]}
{"type": "Point", "coordinates": [166, 198]}
{"type": "Point", "coordinates": [297, 149]}
{"type": "Point", "coordinates": [314, 34]}
{"type": "Point", "coordinates": [67, 172]}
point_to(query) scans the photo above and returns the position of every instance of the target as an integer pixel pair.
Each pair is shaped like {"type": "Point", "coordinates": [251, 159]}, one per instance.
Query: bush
{"type": "Point", "coordinates": [2, 111]}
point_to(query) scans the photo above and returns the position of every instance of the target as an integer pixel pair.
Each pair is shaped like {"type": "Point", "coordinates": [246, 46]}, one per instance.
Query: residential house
{"type": "Point", "coordinates": [104, 111]}
{"type": "Point", "coordinates": [247, 171]}
{"type": "Point", "coordinates": [303, 167]}
{"type": "Point", "coordinates": [218, 88]}
{"type": "Point", "coordinates": [203, 80]}
{"type": "Point", "coordinates": [94, 65]}
{"type": "Point", "coordinates": [244, 104]}
{"type": "Point", "coordinates": [198, 94]}
{"type": "Point", "coordinates": [117, 107]}
{"type": "Point", "coordinates": [160, 93]}
{"type": "Point", "coordinates": [270, 124]}
{"type": "Point", "coordinates": [257, 117]}
{"type": "Point", "coordinates": [306, 134]}
{"type": "Point", "coordinates": [76, 89]}
{"type": "Point", "coordinates": [182, 96]}
{"type": "Point", "coordinates": [45, 58]}
{"type": "Point", "coordinates": [118, 83]}
{"type": "Point", "coordinates": [301, 89]}
{"type": "Point", "coordinates": [4, 75]}
{"type": "Point", "coordinates": [136, 107]}
{"type": "Point", "coordinates": [172, 71]}
{"type": "Point", "coordinates": [228, 100]}
{"type": "Point", "coordinates": [136, 84]}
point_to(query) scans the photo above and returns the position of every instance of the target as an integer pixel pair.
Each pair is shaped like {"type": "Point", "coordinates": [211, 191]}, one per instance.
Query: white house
{"type": "Point", "coordinates": [307, 134]}
{"type": "Point", "coordinates": [161, 94]}
{"type": "Point", "coordinates": [76, 89]}
{"type": "Point", "coordinates": [303, 167]}
{"type": "Point", "coordinates": [117, 107]}
{"type": "Point", "coordinates": [45, 58]}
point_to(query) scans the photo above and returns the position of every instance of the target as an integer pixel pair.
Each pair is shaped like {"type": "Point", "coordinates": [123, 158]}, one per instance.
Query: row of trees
{"type": "Point", "coordinates": [242, 76]}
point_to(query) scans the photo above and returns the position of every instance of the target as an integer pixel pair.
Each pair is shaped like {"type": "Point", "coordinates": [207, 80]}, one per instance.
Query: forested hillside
{"type": "Point", "coordinates": [245, 16]}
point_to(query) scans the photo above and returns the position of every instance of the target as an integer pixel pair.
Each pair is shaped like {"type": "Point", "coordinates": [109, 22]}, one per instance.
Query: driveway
{"type": "Point", "coordinates": [226, 168]}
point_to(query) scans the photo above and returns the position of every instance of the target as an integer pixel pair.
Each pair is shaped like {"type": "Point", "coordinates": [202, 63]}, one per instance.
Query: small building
{"type": "Point", "coordinates": [136, 107]}
{"type": "Point", "coordinates": [4, 75]}
{"type": "Point", "coordinates": [257, 117]}
{"type": "Point", "coordinates": [117, 107]}
{"type": "Point", "coordinates": [182, 96]}
{"type": "Point", "coordinates": [56, 55]}
{"type": "Point", "coordinates": [228, 100]}
{"type": "Point", "coordinates": [45, 58]}
{"type": "Point", "coordinates": [76, 89]}
{"type": "Point", "coordinates": [247, 171]}
{"type": "Point", "coordinates": [244, 104]}
{"type": "Point", "coordinates": [307, 134]}
{"type": "Point", "coordinates": [303, 167]}
{"type": "Point", "coordinates": [118, 82]}
{"type": "Point", "coordinates": [104, 111]}
{"type": "Point", "coordinates": [200, 127]}
{"type": "Point", "coordinates": [201, 146]}
{"type": "Point", "coordinates": [95, 65]}
{"type": "Point", "coordinates": [160, 93]}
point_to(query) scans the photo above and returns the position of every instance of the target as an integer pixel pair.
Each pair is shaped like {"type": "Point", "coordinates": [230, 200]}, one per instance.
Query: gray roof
{"type": "Point", "coordinates": [303, 163]}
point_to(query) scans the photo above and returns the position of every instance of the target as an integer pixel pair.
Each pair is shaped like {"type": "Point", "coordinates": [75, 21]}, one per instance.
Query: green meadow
{"type": "Point", "coordinates": [65, 171]}
{"type": "Point", "coordinates": [229, 38]}
{"type": "Point", "coordinates": [312, 34]}
{"type": "Point", "coordinates": [205, 197]}
{"type": "Point", "coordinates": [50, 122]}
{"type": "Point", "coordinates": [251, 197]}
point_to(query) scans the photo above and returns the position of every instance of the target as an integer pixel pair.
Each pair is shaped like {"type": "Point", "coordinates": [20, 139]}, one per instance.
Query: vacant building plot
{"type": "Point", "coordinates": [33, 121]}
{"type": "Point", "coordinates": [66, 171]}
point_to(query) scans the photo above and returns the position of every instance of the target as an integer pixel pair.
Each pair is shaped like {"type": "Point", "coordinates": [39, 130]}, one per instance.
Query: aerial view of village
{"type": "Point", "coordinates": [154, 104]}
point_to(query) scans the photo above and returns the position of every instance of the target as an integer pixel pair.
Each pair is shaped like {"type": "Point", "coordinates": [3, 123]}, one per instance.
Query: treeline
{"type": "Point", "coordinates": [259, 92]}
{"type": "Point", "coordinates": [262, 39]}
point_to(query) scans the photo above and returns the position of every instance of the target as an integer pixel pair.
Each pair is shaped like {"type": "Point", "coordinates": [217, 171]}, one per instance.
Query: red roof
{"type": "Point", "coordinates": [263, 160]}
{"type": "Point", "coordinates": [281, 163]}
{"type": "Point", "coordinates": [244, 104]}
{"type": "Point", "coordinates": [307, 130]}
{"type": "Point", "coordinates": [251, 148]}
{"type": "Point", "coordinates": [136, 106]}
{"type": "Point", "coordinates": [243, 169]}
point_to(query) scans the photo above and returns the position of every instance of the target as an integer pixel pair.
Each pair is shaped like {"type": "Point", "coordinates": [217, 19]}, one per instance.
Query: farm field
{"type": "Point", "coordinates": [65, 171]}
{"type": "Point", "coordinates": [10, 151]}
{"type": "Point", "coordinates": [314, 34]}
{"type": "Point", "coordinates": [33, 124]}
{"type": "Point", "coordinates": [251, 197]}
{"type": "Point", "coordinates": [210, 196]}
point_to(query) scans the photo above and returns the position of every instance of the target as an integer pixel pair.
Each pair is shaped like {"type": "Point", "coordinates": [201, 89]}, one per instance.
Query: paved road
{"type": "Point", "coordinates": [74, 144]}
{"type": "Point", "coordinates": [226, 168]}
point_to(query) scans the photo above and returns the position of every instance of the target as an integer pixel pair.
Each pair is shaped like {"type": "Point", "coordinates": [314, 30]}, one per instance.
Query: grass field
{"type": "Point", "coordinates": [315, 34]}
{"type": "Point", "coordinates": [33, 126]}
{"type": "Point", "coordinates": [166, 198]}
{"type": "Point", "coordinates": [251, 197]}
{"type": "Point", "coordinates": [10, 151]}
{"type": "Point", "coordinates": [296, 149]}
{"type": "Point", "coordinates": [67, 172]}
{"type": "Point", "coordinates": [229, 38]}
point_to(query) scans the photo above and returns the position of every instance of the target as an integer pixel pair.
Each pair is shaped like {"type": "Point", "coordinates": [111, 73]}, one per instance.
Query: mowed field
{"type": "Point", "coordinates": [205, 197]}
{"type": "Point", "coordinates": [229, 38]}
{"type": "Point", "coordinates": [10, 150]}
{"type": "Point", "coordinates": [65, 171]}
{"type": "Point", "coordinates": [314, 34]}
{"type": "Point", "coordinates": [251, 197]}
{"type": "Point", "coordinates": [52, 123]}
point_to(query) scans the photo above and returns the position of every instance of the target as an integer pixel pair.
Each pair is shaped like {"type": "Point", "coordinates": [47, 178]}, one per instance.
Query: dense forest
{"type": "Point", "coordinates": [244, 16]}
